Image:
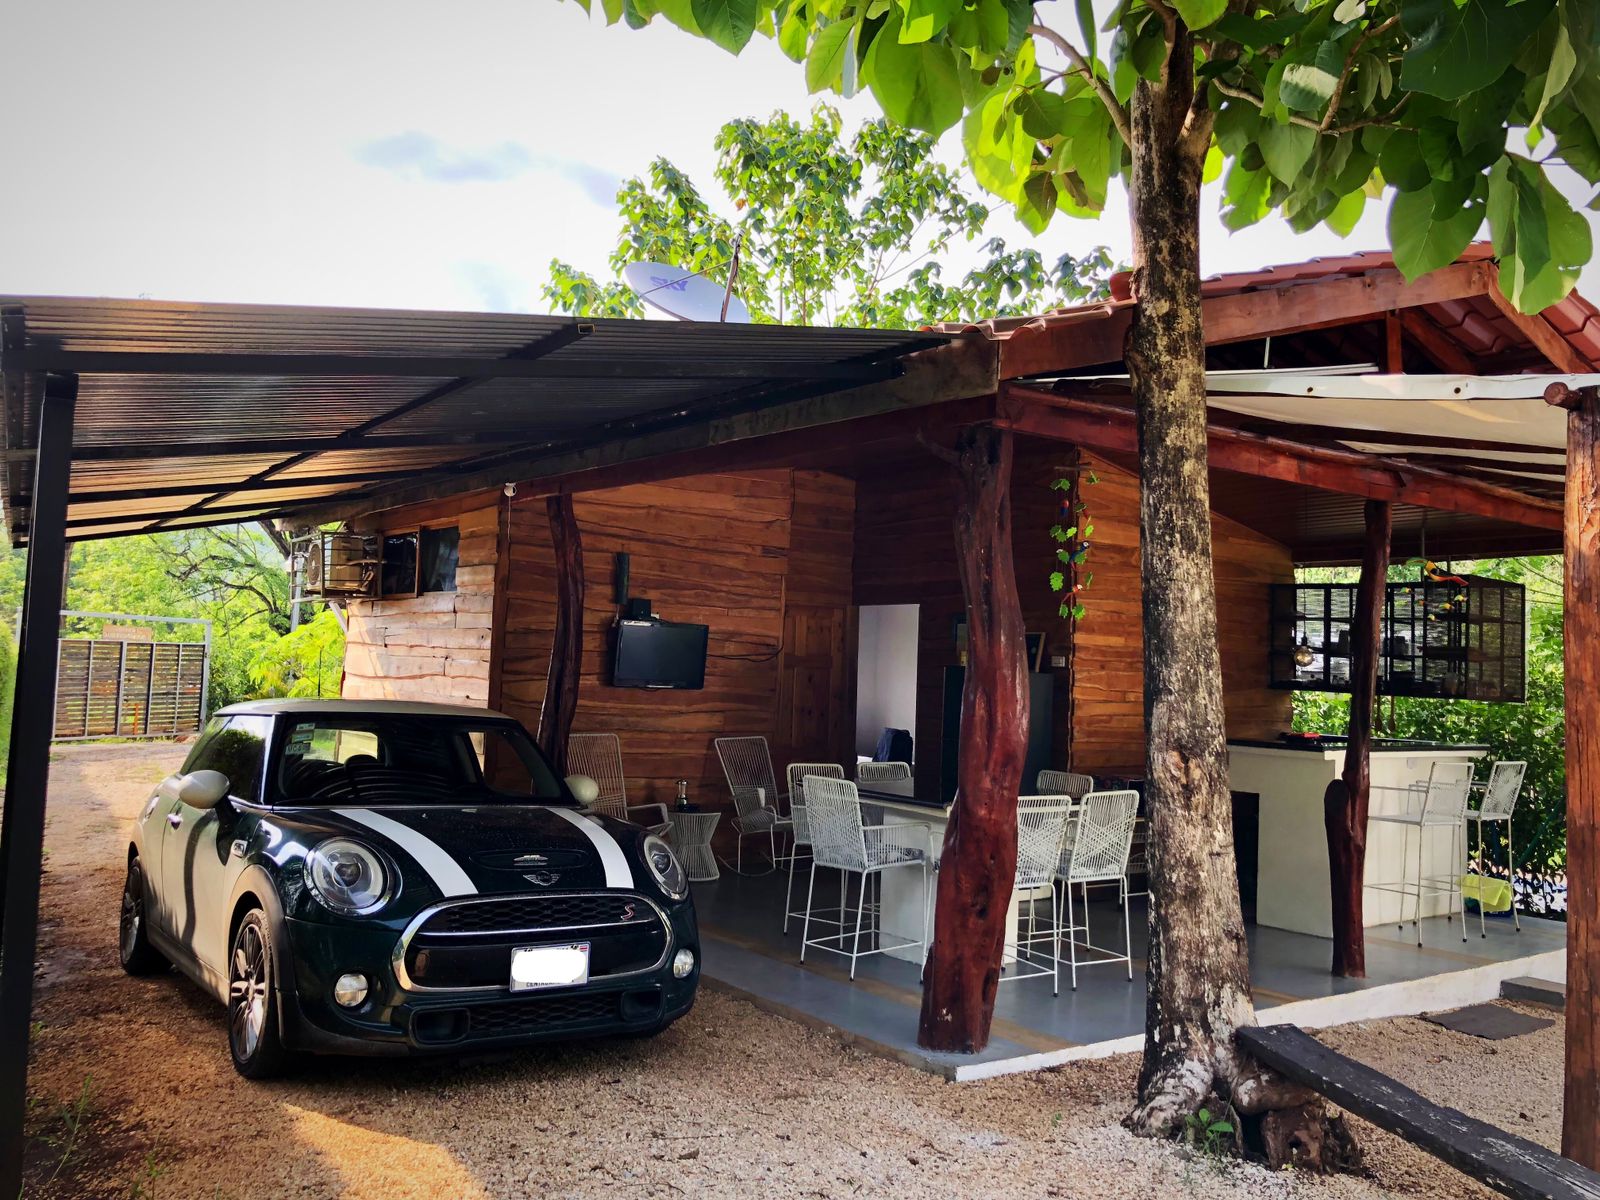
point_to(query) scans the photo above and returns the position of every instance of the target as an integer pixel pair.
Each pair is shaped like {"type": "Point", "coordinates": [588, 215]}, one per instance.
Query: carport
{"type": "Point", "coordinates": [126, 417]}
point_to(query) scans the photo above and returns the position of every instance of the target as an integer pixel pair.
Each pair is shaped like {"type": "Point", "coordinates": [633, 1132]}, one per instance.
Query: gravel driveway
{"type": "Point", "coordinates": [134, 1094]}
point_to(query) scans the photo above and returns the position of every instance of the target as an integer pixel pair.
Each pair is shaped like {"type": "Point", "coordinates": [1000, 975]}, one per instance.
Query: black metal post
{"type": "Point", "coordinates": [33, 712]}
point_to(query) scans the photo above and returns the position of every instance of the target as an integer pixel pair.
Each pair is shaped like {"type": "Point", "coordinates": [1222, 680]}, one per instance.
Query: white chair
{"type": "Point", "coordinates": [882, 772]}
{"type": "Point", "coordinates": [840, 841]}
{"type": "Point", "coordinates": [1099, 855]}
{"type": "Point", "coordinates": [747, 763]}
{"type": "Point", "coordinates": [599, 756]}
{"type": "Point", "coordinates": [797, 773]}
{"type": "Point", "coordinates": [1041, 826]}
{"type": "Point", "coordinates": [1438, 803]}
{"type": "Point", "coordinates": [1064, 783]}
{"type": "Point", "coordinates": [1500, 793]}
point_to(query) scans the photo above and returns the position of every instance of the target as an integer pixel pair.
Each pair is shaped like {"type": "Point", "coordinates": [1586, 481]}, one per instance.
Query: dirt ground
{"type": "Point", "coordinates": [134, 1096]}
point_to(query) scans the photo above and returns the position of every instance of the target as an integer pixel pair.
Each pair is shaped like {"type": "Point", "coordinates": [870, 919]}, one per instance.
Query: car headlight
{"type": "Point", "coordinates": [664, 865]}
{"type": "Point", "coordinates": [347, 878]}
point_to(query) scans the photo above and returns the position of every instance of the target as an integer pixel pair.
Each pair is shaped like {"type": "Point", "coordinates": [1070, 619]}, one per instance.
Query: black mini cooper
{"type": "Point", "coordinates": [358, 877]}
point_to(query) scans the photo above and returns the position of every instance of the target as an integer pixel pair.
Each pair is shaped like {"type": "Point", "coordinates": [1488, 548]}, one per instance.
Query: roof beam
{"type": "Point", "coordinates": [1110, 427]}
{"type": "Point", "coordinates": [372, 366]}
{"type": "Point", "coordinates": [168, 491]}
{"type": "Point", "coordinates": [1045, 348]}
{"type": "Point", "coordinates": [1546, 340]}
{"type": "Point", "coordinates": [121, 451]}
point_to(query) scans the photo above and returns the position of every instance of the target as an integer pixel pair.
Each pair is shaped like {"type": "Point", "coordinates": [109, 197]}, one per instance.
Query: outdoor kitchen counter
{"type": "Point", "coordinates": [1292, 864]}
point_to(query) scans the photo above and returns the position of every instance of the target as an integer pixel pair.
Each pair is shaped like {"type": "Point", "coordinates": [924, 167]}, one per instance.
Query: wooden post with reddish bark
{"type": "Point", "coordinates": [1580, 1124]}
{"type": "Point", "coordinates": [979, 861]}
{"type": "Point", "coordinates": [566, 650]}
{"type": "Point", "coordinates": [1344, 804]}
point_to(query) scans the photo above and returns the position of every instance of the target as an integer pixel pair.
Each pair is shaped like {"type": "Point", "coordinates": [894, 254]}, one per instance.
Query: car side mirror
{"type": "Point", "coordinates": [198, 789]}
{"type": "Point", "coordinates": [584, 789]}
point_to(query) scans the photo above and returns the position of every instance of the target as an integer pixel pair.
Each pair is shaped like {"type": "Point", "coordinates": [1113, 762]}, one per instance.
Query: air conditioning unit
{"type": "Point", "coordinates": [334, 564]}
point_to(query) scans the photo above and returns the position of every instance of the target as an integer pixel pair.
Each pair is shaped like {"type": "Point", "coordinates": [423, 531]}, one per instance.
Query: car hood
{"type": "Point", "coordinates": [464, 851]}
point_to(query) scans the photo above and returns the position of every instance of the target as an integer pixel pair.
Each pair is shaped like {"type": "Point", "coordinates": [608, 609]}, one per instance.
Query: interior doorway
{"type": "Point", "coordinates": [886, 672]}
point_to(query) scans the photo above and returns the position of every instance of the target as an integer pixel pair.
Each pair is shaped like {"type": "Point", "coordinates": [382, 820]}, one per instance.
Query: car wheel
{"type": "Point", "coordinates": [138, 956]}
{"type": "Point", "coordinates": [253, 1037]}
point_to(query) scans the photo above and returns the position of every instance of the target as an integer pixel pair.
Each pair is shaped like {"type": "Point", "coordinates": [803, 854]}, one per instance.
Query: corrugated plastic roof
{"type": "Point", "coordinates": [225, 432]}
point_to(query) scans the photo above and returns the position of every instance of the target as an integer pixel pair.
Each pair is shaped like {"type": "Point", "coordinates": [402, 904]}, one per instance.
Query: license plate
{"type": "Point", "coordinates": [549, 966]}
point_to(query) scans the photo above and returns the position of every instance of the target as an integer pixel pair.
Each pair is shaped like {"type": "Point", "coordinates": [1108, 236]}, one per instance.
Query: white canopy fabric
{"type": "Point", "coordinates": [1505, 415]}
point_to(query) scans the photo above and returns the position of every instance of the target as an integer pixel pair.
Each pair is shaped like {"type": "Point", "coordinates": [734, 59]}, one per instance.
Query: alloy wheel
{"type": "Point", "coordinates": [247, 990]}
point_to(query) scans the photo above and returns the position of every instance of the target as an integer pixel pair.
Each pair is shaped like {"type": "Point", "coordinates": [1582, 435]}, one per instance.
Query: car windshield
{"type": "Point", "coordinates": [372, 758]}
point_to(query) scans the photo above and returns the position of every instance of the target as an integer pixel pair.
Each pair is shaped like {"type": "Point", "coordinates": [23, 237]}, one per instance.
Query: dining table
{"type": "Point", "coordinates": [901, 898]}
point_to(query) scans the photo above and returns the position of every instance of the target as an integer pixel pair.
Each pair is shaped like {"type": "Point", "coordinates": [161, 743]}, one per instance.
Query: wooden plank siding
{"type": "Point", "coordinates": [762, 558]}
{"type": "Point", "coordinates": [1109, 687]}
{"type": "Point", "coordinates": [434, 647]}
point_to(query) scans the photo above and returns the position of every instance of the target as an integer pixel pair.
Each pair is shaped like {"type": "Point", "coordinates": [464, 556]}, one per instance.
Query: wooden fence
{"type": "Point", "coordinates": [130, 687]}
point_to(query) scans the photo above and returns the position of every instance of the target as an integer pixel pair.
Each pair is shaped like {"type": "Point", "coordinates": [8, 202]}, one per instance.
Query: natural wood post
{"type": "Point", "coordinates": [979, 861]}
{"type": "Point", "coordinates": [566, 650]}
{"type": "Point", "coordinates": [1344, 804]}
{"type": "Point", "coordinates": [1580, 1125]}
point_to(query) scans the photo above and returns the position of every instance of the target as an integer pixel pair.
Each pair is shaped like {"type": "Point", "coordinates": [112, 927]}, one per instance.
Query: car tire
{"type": "Point", "coordinates": [254, 1039]}
{"type": "Point", "coordinates": [138, 956]}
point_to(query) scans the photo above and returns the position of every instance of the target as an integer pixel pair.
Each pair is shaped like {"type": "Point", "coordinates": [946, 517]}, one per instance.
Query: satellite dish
{"type": "Point", "coordinates": [683, 294]}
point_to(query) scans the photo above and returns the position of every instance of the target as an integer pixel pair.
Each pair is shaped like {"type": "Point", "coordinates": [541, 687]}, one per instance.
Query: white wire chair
{"type": "Point", "coordinates": [1438, 803]}
{"type": "Point", "coordinates": [880, 772]}
{"type": "Point", "coordinates": [842, 842]}
{"type": "Point", "coordinates": [797, 773]}
{"type": "Point", "coordinates": [747, 764]}
{"type": "Point", "coordinates": [1500, 794]}
{"type": "Point", "coordinates": [599, 756]}
{"type": "Point", "coordinates": [1041, 826]}
{"type": "Point", "coordinates": [1099, 855]}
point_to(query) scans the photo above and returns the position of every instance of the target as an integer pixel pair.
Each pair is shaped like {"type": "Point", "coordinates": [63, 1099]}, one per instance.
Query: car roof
{"type": "Point", "coordinates": [372, 707]}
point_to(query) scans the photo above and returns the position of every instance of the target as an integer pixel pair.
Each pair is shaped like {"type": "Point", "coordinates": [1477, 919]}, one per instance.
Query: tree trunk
{"type": "Point", "coordinates": [1198, 989]}
{"type": "Point", "coordinates": [1580, 1125]}
{"type": "Point", "coordinates": [1344, 804]}
{"type": "Point", "coordinates": [566, 651]}
{"type": "Point", "coordinates": [979, 861]}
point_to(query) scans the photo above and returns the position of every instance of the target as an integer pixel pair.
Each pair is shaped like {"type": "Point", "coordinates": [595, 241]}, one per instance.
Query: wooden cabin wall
{"type": "Point", "coordinates": [905, 553]}
{"type": "Point", "coordinates": [760, 557]}
{"type": "Point", "coordinates": [434, 647]}
{"type": "Point", "coordinates": [1109, 685]}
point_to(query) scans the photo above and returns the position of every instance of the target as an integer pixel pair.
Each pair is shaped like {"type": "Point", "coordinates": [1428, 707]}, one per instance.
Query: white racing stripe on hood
{"type": "Point", "coordinates": [618, 873]}
{"type": "Point", "coordinates": [445, 872]}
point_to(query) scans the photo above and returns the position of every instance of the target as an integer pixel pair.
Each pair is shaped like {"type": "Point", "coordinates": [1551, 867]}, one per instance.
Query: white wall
{"type": "Point", "coordinates": [886, 672]}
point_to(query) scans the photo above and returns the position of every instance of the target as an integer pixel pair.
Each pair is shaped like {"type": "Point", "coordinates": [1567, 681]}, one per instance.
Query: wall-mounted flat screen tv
{"type": "Point", "coordinates": [659, 654]}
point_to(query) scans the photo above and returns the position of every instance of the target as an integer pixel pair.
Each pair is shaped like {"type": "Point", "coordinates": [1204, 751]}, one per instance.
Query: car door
{"type": "Point", "coordinates": [161, 822]}
{"type": "Point", "coordinates": [198, 864]}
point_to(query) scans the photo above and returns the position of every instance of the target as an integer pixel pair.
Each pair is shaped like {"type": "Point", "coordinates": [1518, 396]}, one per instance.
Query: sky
{"type": "Point", "coordinates": [396, 153]}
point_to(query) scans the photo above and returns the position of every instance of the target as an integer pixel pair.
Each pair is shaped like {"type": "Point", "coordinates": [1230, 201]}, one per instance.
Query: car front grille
{"type": "Point", "coordinates": [555, 1013]}
{"type": "Point", "coordinates": [468, 944]}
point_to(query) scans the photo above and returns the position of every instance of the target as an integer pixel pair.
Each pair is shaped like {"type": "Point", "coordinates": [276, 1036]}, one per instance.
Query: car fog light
{"type": "Point", "coordinates": [350, 990]}
{"type": "Point", "coordinates": [682, 964]}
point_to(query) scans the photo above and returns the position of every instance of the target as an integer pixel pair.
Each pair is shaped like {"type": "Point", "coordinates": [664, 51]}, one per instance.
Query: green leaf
{"type": "Point", "coordinates": [1257, 33]}
{"type": "Point", "coordinates": [1043, 112]}
{"type": "Point", "coordinates": [1308, 86]}
{"type": "Point", "coordinates": [1038, 202]}
{"type": "Point", "coordinates": [1563, 61]}
{"type": "Point", "coordinates": [999, 150]}
{"type": "Point", "coordinates": [1459, 46]}
{"type": "Point", "coordinates": [792, 31]}
{"type": "Point", "coordinates": [924, 19]}
{"type": "Point", "coordinates": [917, 85]}
{"type": "Point", "coordinates": [1401, 161]}
{"type": "Point", "coordinates": [1197, 14]}
{"type": "Point", "coordinates": [1481, 117]}
{"type": "Point", "coordinates": [1286, 149]}
{"type": "Point", "coordinates": [1123, 74]}
{"type": "Point", "coordinates": [1342, 220]}
{"type": "Point", "coordinates": [728, 23]}
{"type": "Point", "coordinates": [1430, 228]}
{"type": "Point", "coordinates": [1541, 242]}
{"type": "Point", "coordinates": [1086, 25]}
{"type": "Point", "coordinates": [825, 61]}
{"type": "Point", "coordinates": [1247, 195]}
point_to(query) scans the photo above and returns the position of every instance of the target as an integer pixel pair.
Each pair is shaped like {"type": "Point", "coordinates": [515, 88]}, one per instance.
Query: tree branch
{"type": "Point", "coordinates": [1388, 118]}
{"type": "Point", "coordinates": [1081, 65]}
{"type": "Point", "coordinates": [1349, 66]}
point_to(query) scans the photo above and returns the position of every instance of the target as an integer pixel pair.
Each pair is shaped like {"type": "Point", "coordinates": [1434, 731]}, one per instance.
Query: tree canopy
{"type": "Point", "coordinates": [1309, 108]}
{"type": "Point", "coordinates": [835, 230]}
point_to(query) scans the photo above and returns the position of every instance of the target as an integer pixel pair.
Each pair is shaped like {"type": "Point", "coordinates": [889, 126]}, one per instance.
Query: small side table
{"type": "Point", "coordinates": [691, 836]}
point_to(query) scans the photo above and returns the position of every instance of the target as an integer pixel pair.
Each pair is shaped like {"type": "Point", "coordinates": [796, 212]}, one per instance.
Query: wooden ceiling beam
{"type": "Point", "coordinates": [1109, 427]}
{"type": "Point", "coordinates": [1046, 347]}
{"type": "Point", "coordinates": [1545, 339]}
